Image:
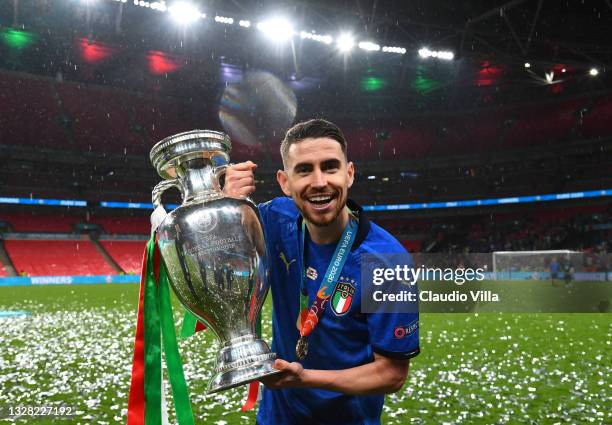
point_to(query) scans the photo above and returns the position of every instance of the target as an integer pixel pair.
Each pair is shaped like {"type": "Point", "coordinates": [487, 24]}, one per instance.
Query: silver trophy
{"type": "Point", "coordinates": [214, 250]}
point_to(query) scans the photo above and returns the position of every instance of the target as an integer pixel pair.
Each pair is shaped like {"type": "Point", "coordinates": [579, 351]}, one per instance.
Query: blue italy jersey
{"type": "Point", "coordinates": [344, 337]}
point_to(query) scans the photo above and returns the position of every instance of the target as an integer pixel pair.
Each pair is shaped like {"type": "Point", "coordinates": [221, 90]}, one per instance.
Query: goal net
{"type": "Point", "coordinates": [534, 265]}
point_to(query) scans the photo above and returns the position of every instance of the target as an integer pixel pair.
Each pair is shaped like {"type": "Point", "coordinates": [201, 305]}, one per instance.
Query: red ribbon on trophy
{"type": "Point", "coordinates": [155, 324]}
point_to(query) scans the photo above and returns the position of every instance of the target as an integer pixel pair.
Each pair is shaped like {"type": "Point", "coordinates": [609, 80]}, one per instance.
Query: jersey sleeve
{"type": "Point", "coordinates": [264, 212]}
{"type": "Point", "coordinates": [395, 333]}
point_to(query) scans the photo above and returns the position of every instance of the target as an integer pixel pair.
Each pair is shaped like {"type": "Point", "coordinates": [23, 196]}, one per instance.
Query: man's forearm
{"type": "Point", "coordinates": [383, 376]}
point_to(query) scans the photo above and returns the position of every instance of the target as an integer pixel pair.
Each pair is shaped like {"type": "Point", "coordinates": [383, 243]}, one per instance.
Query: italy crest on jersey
{"type": "Point", "coordinates": [342, 298]}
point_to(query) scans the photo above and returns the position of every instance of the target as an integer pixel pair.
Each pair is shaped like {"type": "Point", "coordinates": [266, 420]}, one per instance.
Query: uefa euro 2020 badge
{"type": "Point", "coordinates": [343, 295]}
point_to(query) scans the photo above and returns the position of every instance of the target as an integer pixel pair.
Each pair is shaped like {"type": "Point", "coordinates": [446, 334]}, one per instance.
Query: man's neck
{"type": "Point", "coordinates": [330, 233]}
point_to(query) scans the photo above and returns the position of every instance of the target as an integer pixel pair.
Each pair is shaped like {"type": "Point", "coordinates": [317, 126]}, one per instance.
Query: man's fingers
{"type": "Point", "coordinates": [240, 180]}
{"type": "Point", "coordinates": [245, 191]}
{"type": "Point", "coordinates": [280, 364]}
{"type": "Point", "coordinates": [248, 180]}
{"type": "Point", "coordinates": [243, 166]}
{"type": "Point", "coordinates": [274, 381]}
{"type": "Point", "coordinates": [237, 175]}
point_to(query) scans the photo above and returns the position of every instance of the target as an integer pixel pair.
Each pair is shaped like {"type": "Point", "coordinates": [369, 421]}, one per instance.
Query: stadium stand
{"type": "Point", "coordinates": [36, 104]}
{"type": "Point", "coordinates": [56, 258]}
{"type": "Point", "coordinates": [124, 225]}
{"type": "Point", "coordinates": [47, 223]}
{"type": "Point", "coordinates": [128, 254]}
{"type": "Point", "coordinates": [580, 228]}
{"type": "Point", "coordinates": [106, 119]}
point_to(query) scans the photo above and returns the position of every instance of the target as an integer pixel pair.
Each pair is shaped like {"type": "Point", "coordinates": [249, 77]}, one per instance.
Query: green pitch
{"type": "Point", "coordinates": [76, 348]}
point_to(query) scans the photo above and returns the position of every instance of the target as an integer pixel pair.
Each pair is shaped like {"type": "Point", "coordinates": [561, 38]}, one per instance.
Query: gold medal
{"type": "Point", "coordinates": [301, 348]}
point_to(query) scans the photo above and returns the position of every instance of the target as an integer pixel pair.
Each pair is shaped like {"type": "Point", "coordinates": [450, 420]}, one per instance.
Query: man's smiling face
{"type": "Point", "coordinates": [317, 176]}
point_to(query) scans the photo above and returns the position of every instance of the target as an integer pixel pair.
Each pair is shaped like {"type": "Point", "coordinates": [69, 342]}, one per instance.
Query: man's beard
{"type": "Point", "coordinates": [322, 220]}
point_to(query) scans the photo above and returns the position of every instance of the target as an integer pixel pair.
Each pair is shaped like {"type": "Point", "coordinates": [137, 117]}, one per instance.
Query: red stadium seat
{"type": "Point", "coordinates": [40, 223]}
{"type": "Point", "coordinates": [57, 258]}
{"type": "Point", "coordinates": [128, 254]}
{"type": "Point", "coordinates": [124, 225]}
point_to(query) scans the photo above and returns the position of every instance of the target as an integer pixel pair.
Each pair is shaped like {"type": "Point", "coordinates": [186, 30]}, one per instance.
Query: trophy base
{"type": "Point", "coordinates": [241, 361]}
{"type": "Point", "coordinates": [241, 376]}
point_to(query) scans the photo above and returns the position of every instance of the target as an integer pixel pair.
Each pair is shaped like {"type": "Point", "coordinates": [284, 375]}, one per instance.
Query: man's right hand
{"type": "Point", "coordinates": [240, 180]}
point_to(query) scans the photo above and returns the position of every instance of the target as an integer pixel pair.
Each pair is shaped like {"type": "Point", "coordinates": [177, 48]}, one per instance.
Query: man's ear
{"type": "Point", "coordinates": [350, 169]}
{"type": "Point", "coordinates": [283, 181]}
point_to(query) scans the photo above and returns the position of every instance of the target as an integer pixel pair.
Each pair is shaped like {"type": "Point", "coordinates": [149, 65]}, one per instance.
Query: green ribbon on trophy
{"type": "Point", "coordinates": [155, 324]}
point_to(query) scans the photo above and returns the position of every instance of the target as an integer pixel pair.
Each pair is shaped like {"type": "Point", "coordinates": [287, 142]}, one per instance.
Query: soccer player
{"type": "Point", "coordinates": [337, 363]}
{"type": "Point", "coordinates": [554, 270]}
{"type": "Point", "coordinates": [568, 271]}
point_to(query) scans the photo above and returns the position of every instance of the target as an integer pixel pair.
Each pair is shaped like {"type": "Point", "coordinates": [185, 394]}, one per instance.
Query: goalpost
{"type": "Point", "coordinates": [508, 265]}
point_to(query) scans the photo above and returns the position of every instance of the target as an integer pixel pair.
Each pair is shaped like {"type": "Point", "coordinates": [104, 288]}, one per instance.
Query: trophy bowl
{"type": "Point", "coordinates": [214, 250]}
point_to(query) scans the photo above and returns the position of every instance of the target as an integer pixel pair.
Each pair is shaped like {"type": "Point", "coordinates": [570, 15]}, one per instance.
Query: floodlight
{"type": "Point", "coordinates": [184, 13]}
{"type": "Point", "coordinates": [394, 49]}
{"type": "Point", "coordinates": [327, 39]}
{"type": "Point", "coordinates": [276, 29]}
{"type": "Point", "coordinates": [369, 46]}
{"type": "Point", "coordinates": [442, 54]}
{"type": "Point", "coordinates": [224, 20]}
{"type": "Point", "coordinates": [593, 72]}
{"type": "Point", "coordinates": [345, 42]}
{"type": "Point", "coordinates": [527, 65]}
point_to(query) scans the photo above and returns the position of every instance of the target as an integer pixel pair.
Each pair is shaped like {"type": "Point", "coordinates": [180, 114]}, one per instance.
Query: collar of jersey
{"type": "Point", "coordinates": [363, 226]}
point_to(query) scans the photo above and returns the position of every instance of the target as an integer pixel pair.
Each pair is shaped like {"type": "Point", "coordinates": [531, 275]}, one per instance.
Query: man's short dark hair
{"type": "Point", "coordinates": [311, 129]}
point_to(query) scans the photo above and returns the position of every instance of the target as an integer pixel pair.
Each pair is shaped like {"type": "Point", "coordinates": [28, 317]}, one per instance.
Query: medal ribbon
{"type": "Point", "coordinates": [308, 318]}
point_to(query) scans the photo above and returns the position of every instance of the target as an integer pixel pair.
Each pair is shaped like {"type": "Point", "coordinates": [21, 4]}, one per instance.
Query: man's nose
{"type": "Point", "coordinates": [318, 179]}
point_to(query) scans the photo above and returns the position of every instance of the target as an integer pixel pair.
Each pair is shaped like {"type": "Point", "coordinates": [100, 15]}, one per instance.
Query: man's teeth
{"type": "Point", "coordinates": [320, 198]}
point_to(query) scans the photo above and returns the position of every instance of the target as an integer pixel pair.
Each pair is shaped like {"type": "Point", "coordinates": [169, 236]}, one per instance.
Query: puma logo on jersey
{"type": "Point", "coordinates": [284, 260]}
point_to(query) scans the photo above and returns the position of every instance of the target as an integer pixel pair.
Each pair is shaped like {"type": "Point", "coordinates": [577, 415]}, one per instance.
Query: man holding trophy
{"type": "Point", "coordinates": [336, 363]}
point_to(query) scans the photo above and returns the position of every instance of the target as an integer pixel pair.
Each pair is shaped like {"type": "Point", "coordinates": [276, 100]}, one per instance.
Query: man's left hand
{"type": "Point", "coordinates": [291, 375]}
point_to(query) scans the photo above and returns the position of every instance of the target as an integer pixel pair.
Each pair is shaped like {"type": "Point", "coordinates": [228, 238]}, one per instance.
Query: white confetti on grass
{"type": "Point", "coordinates": [465, 374]}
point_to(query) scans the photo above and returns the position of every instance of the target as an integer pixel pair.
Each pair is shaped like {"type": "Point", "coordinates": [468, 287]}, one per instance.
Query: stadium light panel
{"type": "Point", "coordinates": [276, 29]}
{"type": "Point", "coordinates": [158, 6]}
{"type": "Point", "coordinates": [369, 46]}
{"type": "Point", "coordinates": [244, 23]}
{"type": "Point", "coordinates": [394, 49]}
{"type": "Point", "coordinates": [424, 52]}
{"type": "Point", "coordinates": [224, 20]}
{"type": "Point", "coordinates": [442, 54]}
{"type": "Point", "coordinates": [527, 65]}
{"type": "Point", "coordinates": [345, 42]}
{"type": "Point", "coordinates": [184, 13]}
{"type": "Point", "coordinates": [327, 39]}
{"type": "Point", "coordinates": [593, 72]}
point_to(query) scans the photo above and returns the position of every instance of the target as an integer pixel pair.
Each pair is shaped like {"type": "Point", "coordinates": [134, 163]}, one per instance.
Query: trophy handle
{"type": "Point", "coordinates": [220, 171]}
{"type": "Point", "coordinates": [161, 187]}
